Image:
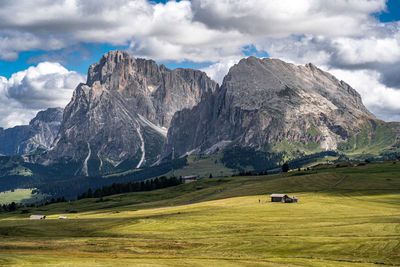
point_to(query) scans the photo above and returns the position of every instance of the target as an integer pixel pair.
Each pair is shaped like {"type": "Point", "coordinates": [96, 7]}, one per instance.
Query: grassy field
{"type": "Point", "coordinates": [203, 166]}
{"type": "Point", "coordinates": [20, 196]}
{"type": "Point", "coordinates": [345, 217]}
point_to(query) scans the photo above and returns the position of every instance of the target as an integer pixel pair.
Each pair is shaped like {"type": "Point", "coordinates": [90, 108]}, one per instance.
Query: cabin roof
{"type": "Point", "coordinates": [189, 177]}
{"type": "Point", "coordinates": [37, 216]}
{"type": "Point", "coordinates": [278, 195]}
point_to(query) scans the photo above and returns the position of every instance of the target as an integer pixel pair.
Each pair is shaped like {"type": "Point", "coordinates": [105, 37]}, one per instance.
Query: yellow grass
{"type": "Point", "coordinates": [227, 226]}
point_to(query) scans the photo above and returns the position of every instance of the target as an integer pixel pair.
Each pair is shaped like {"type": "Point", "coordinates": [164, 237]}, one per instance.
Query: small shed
{"type": "Point", "coordinates": [283, 198]}
{"type": "Point", "coordinates": [291, 199]}
{"type": "Point", "coordinates": [37, 217]}
{"type": "Point", "coordinates": [189, 178]}
{"type": "Point", "coordinates": [278, 197]}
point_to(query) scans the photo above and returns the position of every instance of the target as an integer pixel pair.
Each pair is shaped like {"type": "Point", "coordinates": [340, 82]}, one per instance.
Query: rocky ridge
{"type": "Point", "coordinates": [122, 113]}
{"type": "Point", "coordinates": [40, 133]}
{"type": "Point", "coordinates": [266, 104]}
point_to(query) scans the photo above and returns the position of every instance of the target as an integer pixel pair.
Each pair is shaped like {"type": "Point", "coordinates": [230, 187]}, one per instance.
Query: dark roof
{"type": "Point", "coordinates": [189, 177]}
{"type": "Point", "coordinates": [278, 195]}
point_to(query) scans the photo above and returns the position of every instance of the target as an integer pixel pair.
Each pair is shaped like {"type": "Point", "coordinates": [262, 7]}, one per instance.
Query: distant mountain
{"type": "Point", "coordinates": [271, 105]}
{"type": "Point", "coordinates": [121, 115]}
{"type": "Point", "coordinates": [132, 113]}
{"type": "Point", "coordinates": [40, 133]}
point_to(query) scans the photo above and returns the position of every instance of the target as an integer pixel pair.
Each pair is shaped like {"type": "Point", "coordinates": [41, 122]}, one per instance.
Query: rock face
{"type": "Point", "coordinates": [123, 112]}
{"type": "Point", "coordinates": [266, 103]}
{"type": "Point", "coordinates": [40, 133]}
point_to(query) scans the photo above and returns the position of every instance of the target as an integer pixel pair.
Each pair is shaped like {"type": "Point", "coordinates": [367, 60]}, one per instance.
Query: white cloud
{"type": "Point", "coordinates": [367, 50]}
{"type": "Point", "coordinates": [217, 71]}
{"type": "Point", "coordinates": [46, 85]}
{"type": "Point", "coordinates": [280, 18]}
{"type": "Point", "coordinates": [381, 100]}
{"type": "Point", "coordinates": [381, 45]}
{"type": "Point", "coordinates": [208, 30]}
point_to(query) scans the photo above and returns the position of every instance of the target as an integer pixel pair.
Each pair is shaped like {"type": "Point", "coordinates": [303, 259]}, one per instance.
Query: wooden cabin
{"type": "Point", "coordinates": [37, 217]}
{"type": "Point", "coordinates": [189, 179]}
{"type": "Point", "coordinates": [278, 197]}
{"type": "Point", "coordinates": [291, 199]}
{"type": "Point", "coordinates": [283, 198]}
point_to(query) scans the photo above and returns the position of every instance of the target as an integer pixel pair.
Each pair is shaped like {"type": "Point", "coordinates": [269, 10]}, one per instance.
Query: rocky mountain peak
{"type": "Point", "coordinates": [50, 115]}
{"type": "Point", "coordinates": [277, 81]}
{"type": "Point", "coordinates": [116, 67]}
{"type": "Point", "coordinates": [123, 112]}
{"type": "Point", "coordinates": [264, 102]}
{"type": "Point", "coordinates": [40, 133]}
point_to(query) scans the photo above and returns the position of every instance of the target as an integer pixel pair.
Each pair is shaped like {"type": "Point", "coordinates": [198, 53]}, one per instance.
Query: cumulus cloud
{"type": "Point", "coordinates": [279, 18]}
{"type": "Point", "coordinates": [39, 87]}
{"type": "Point", "coordinates": [201, 29]}
{"type": "Point", "coordinates": [381, 100]}
{"type": "Point", "coordinates": [217, 71]}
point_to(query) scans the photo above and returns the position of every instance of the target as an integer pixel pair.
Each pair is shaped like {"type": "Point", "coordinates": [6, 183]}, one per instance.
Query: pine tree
{"type": "Point", "coordinates": [285, 167]}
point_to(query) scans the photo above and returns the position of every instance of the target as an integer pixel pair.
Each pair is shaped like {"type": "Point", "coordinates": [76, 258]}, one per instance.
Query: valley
{"type": "Point", "coordinates": [351, 223]}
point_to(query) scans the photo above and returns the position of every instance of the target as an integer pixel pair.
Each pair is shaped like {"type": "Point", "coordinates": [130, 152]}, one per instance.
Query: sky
{"type": "Point", "coordinates": [46, 46]}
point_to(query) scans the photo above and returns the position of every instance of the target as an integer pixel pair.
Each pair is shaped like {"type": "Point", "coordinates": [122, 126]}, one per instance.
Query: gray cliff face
{"type": "Point", "coordinates": [263, 102]}
{"type": "Point", "coordinates": [123, 112]}
{"type": "Point", "coordinates": [40, 133]}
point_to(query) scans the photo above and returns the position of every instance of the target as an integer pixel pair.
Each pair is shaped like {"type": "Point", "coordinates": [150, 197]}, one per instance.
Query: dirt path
{"type": "Point", "coordinates": [335, 185]}
{"type": "Point", "coordinates": [212, 193]}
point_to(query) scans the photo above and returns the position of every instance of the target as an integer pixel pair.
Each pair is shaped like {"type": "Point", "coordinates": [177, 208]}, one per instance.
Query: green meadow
{"type": "Point", "coordinates": [20, 196]}
{"type": "Point", "coordinates": [345, 217]}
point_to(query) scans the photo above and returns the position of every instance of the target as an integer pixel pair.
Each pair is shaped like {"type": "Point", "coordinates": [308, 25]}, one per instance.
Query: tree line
{"type": "Point", "coordinates": [115, 188]}
{"type": "Point", "coordinates": [119, 188]}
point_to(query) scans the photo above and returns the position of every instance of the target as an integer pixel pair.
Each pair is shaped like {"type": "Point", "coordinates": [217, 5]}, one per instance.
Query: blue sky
{"type": "Point", "coordinates": [50, 44]}
{"type": "Point", "coordinates": [392, 13]}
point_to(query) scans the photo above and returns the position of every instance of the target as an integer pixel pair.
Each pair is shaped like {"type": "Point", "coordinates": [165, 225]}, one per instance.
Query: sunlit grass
{"type": "Point", "coordinates": [356, 223]}
{"type": "Point", "coordinates": [20, 196]}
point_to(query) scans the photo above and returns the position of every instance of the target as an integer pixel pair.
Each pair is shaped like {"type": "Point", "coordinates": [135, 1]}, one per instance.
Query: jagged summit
{"type": "Point", "coordinates": [40, 133]}
{"type": "Point", "coordinates": [132, 113]}
{"type": "Point", "coordinates": [123, 112]}
{"type": "Point", "coordinates": [268, 76]}
{"type": "Point", "coordinates": [264, 102]}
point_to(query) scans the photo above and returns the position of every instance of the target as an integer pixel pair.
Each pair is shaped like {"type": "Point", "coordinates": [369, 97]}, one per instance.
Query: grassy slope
{"type": "Point", "coordinates": [370, 142]}
{"type": "Point", "coordinates": [203, 166]}
{"type": "Point", "coordinates": [354, 224]}
{"type": "Point", "coordinates": [197, 165]}
{"type": "Point", "coordinates": [20, 196]}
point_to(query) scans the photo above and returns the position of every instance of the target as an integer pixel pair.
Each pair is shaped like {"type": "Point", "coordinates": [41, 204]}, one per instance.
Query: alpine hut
{"type": "Point", "coordinates": [189, 179]}
{"type": "Point", "coordinates": [278, 197]}
{"type": "Point", "coordinates": [291, 199]}
{"type": "Point", "coordinates": [283, 198]}
{"type": "Point", "coordinates": [37, 217]}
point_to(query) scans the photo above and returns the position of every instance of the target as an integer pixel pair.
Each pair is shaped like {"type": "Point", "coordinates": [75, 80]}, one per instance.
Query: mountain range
{"type": "Point", "coordinates": [121, 115]}
{"type": "Point", "coordinates": [272, 105]}
{"type": "Point", "coordinates": [132, 113]}
{"type": "Point", "coordinates": [39, 134]}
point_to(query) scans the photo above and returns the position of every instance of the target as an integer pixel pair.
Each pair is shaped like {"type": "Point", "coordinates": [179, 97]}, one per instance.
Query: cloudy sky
{"type": "Point", "coordinates": [46, 46]}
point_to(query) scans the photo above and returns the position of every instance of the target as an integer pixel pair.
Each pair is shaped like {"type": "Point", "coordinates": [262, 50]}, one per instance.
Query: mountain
{"type": "Point", "coordinates": [40, 133]}
{"type": "Point", "coordinates": [271, 105]}
{"type": "Point", "coordinates": [120, 116]}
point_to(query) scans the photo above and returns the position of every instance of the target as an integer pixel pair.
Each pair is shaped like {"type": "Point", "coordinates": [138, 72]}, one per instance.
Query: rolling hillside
{"type": "Point", "coordinates": [345, 217]}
